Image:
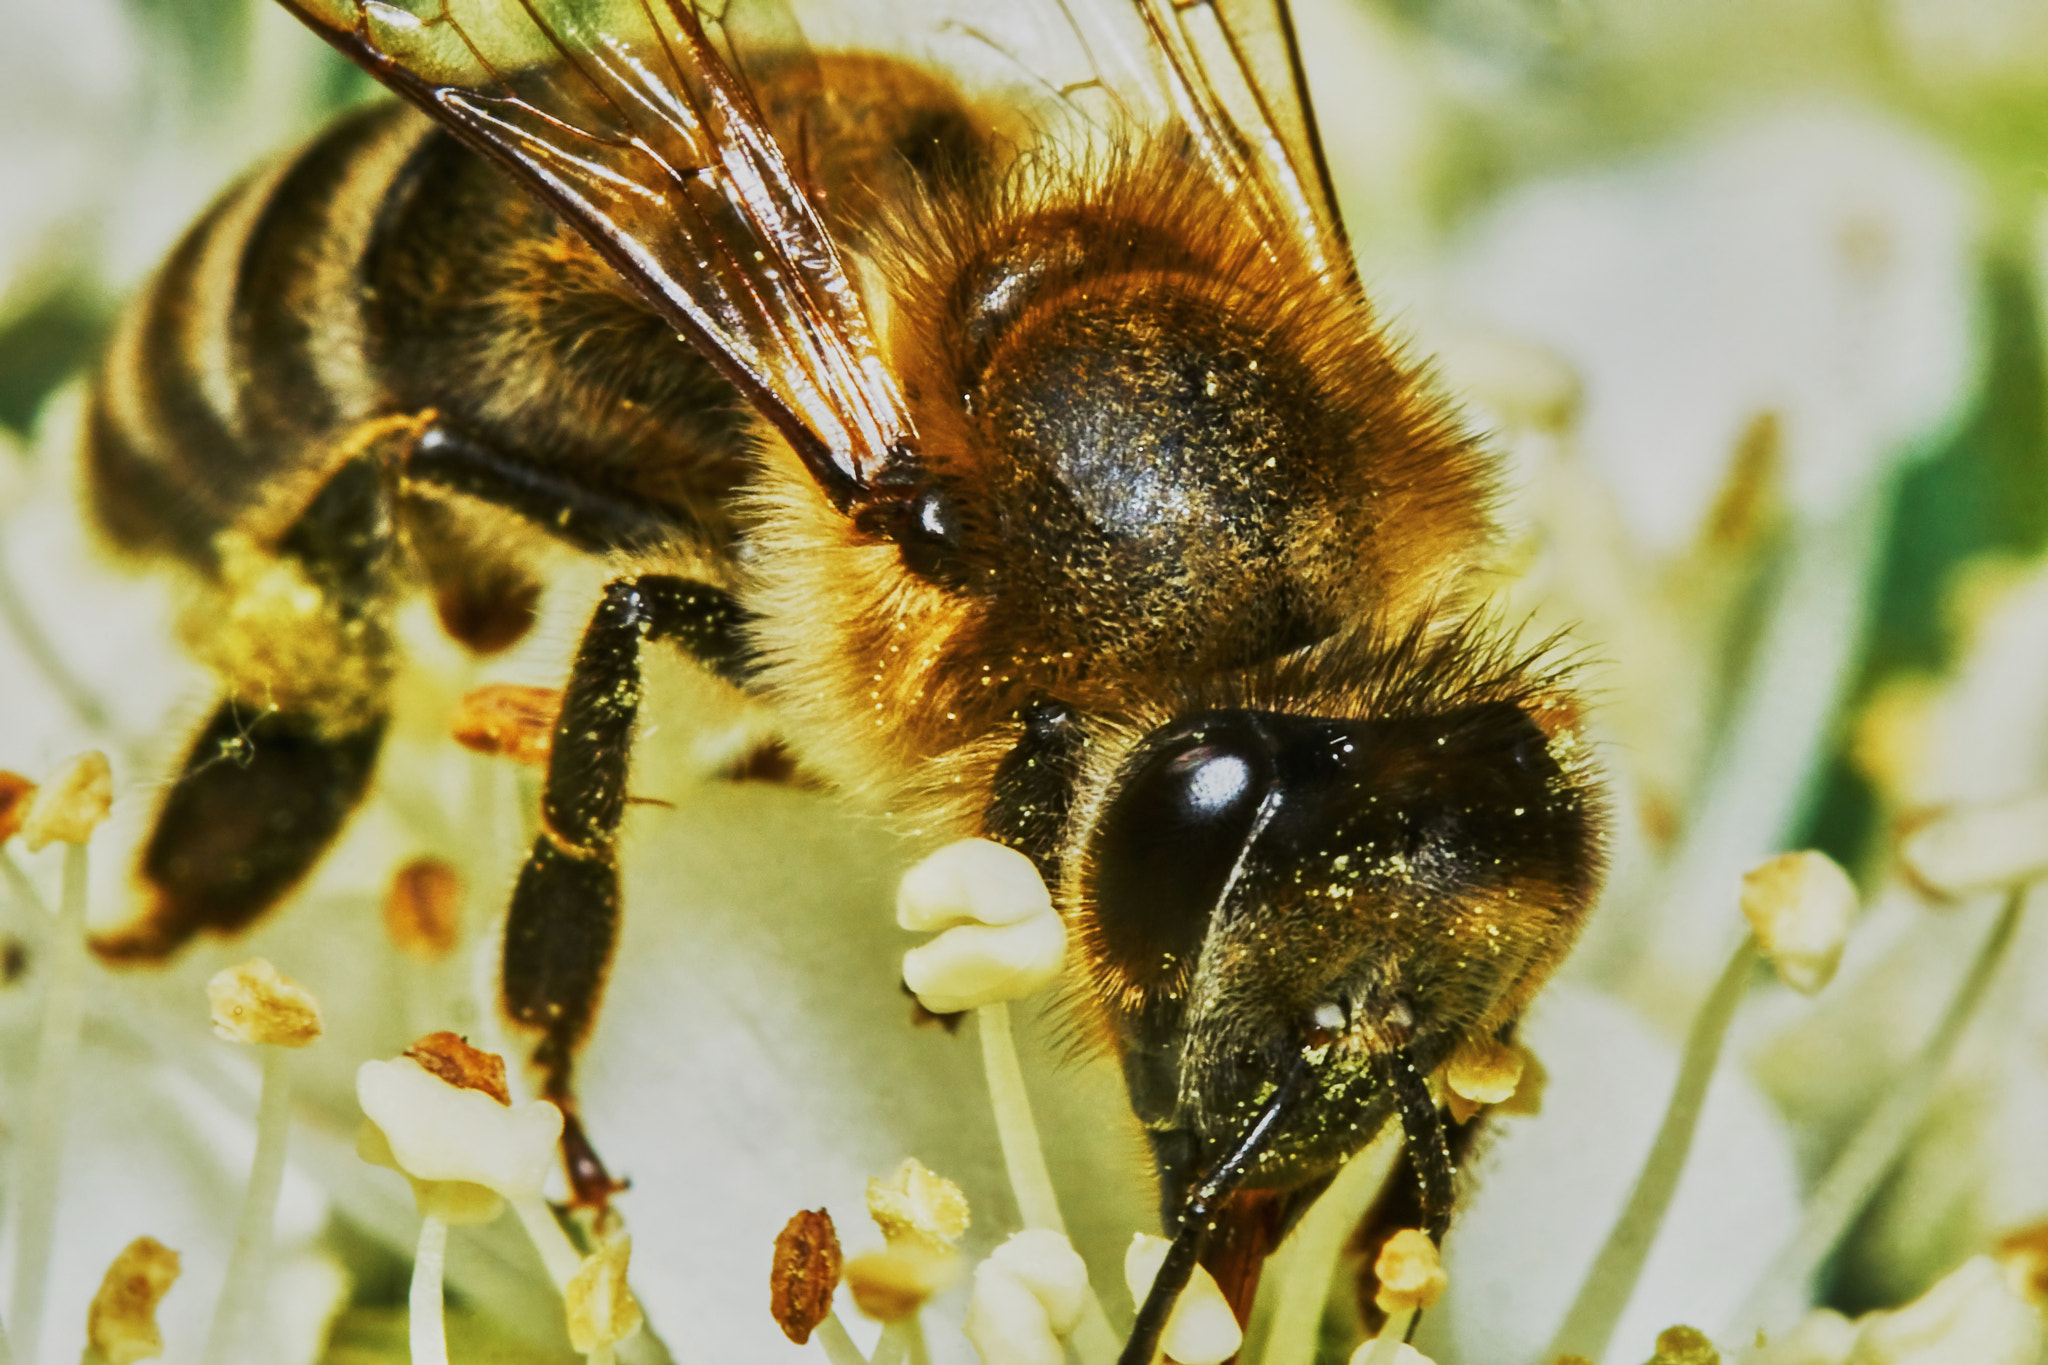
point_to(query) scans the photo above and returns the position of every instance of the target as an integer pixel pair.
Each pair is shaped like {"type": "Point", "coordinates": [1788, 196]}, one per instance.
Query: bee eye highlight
{"type": "Point", "coordinates": [1185, 805]}
{"type": "Point", "coordinates": [925, 524]}
{"type": "Point", "coordinates": [1211, 780]}
{"type": "Point", "coordinates": [934, 518]}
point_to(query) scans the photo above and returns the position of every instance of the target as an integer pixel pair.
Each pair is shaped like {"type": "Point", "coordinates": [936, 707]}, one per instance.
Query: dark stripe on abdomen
{"type": "Point", "coordinates": [158, 442]}
{"type": "Point", "coordinates": [297, 308]}
{"type": "Point", "coordinates": [223, 377]}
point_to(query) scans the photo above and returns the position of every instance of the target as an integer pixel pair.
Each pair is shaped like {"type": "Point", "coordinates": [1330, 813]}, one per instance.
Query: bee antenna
{"type": "Point", "coordinates": [1203, 1201]}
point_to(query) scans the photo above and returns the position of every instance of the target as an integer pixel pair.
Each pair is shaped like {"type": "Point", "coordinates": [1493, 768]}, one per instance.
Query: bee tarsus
{"type": "Point", "coordinates": [1427, 1142]}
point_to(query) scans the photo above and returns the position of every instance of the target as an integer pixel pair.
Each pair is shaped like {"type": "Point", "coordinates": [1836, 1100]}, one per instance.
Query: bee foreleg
{"type": "Point", "coordinates": [1426, 1145]}
{"type": "Point", "coordinates": [1402, 1203]}
{"type": "Point", "coordinates": [297, 631]}
{"type": "Point", "coordinates": [564, 918]}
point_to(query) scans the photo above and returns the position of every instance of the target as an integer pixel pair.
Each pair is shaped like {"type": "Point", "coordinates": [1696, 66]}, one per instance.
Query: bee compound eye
{"type": "Point", "coordinates": [1185, 804]}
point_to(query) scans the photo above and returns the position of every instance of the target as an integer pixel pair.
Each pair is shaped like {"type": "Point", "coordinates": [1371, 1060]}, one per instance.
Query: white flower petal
{"type": "Point", "coordinates": [147, 1153]}
{"type": "Point", "coordinates": [1547, 1190]}
{"type": "Point", "coordinates": [755, 1055]}
{"type": "Point", "coordinates": [1972, 1316]}
{"type": "Point", "coordinates": [1814, 264]}
{"type": "Point", "coordinates": [1824, 1337]}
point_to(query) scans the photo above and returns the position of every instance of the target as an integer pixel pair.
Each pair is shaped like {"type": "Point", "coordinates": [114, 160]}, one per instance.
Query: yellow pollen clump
{"type": "Point", "coordinates": [71, 803]}
{"type": "Point", "coordinates": [1410, 1273]}
{"type": "Point", "coordinates": [915, 1206]}
{"type": "Point", "coordinates": [255, 1003]}
{"type": "Point", "coordinates": [1482, 1071]}
{"type": "Point", "coordinates": [121, 1324]}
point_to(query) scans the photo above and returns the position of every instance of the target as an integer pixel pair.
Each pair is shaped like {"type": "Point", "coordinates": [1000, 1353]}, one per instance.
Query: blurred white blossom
{"type": "Point", "coordinates": [1813, 264]}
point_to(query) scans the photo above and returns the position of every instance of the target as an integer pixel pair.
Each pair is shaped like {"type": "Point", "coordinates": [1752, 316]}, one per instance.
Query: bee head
{"type": "Point", "coordinates": [1263, 885]}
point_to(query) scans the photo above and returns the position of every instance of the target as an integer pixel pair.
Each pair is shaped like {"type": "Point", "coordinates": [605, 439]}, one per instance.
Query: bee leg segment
{"type": "Point", "coordinates": [1198, 1214]}
{"type": "Point", "coordinates": [586, 518]}
{"type": "Point", "coordinates": [298, 632]}
{"type": "Point", "coordinates": [1427, 1145]}
{"type": "Point", "coordinates": [564, 918]}
{"type": "Point", "coordinates": [1399, 1205]}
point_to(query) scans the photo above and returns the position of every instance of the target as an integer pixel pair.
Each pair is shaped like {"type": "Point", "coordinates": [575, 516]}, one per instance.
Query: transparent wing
{"type": "Point", "coordinates": [629, 118]}
{"type": "Point", "coordinates": [1227, 71]}
{"type": "Point", "coordinates": [1266, 97]}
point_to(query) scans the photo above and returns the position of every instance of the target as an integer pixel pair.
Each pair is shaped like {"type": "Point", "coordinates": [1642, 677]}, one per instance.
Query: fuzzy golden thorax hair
{"type": "Point", "coordinates": [1172, 447]}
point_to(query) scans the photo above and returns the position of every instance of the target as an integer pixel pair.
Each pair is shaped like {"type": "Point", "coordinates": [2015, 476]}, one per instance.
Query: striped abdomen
{"type": "Point", "coordinates": [386, 270]}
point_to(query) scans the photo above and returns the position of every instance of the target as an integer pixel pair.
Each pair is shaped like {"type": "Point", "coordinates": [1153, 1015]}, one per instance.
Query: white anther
{"type": "Point", "coordinates": [1046, 1263]}
{"type": "Point", "coordinates": [971, 881]}
{"type": "Point", "coordinates": [438, 1132]}
{"type": "Point", "coordinates": [1800, 906]}
{"type": "Point", "coordinates": [1006, 1323]}
{"type": "Point", "coordinates": [1202, 1330]}
{"type": "Point", "coordinates": [1000, 938]}
{"type": "Point", "coordinates": [975, 965]}
{"type": "Point", "coordinates": [1979, 848]}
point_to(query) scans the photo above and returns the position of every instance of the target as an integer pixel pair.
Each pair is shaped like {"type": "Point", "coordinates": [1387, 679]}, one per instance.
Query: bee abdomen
{"type": "Point", "coordinates": [244, 357]}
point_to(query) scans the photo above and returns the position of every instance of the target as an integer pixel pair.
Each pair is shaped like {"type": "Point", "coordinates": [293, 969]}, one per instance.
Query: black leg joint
{"type": "Point", "coordinates": [343, 539]}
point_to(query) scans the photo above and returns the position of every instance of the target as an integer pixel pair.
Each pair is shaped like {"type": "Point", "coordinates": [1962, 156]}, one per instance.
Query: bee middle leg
{"type": "Point", "coordinates": [564, 918]}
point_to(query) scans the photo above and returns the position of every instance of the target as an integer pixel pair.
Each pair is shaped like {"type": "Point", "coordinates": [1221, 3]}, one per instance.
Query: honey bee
{"type": "Point", "coordinates": [1038, 458]}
